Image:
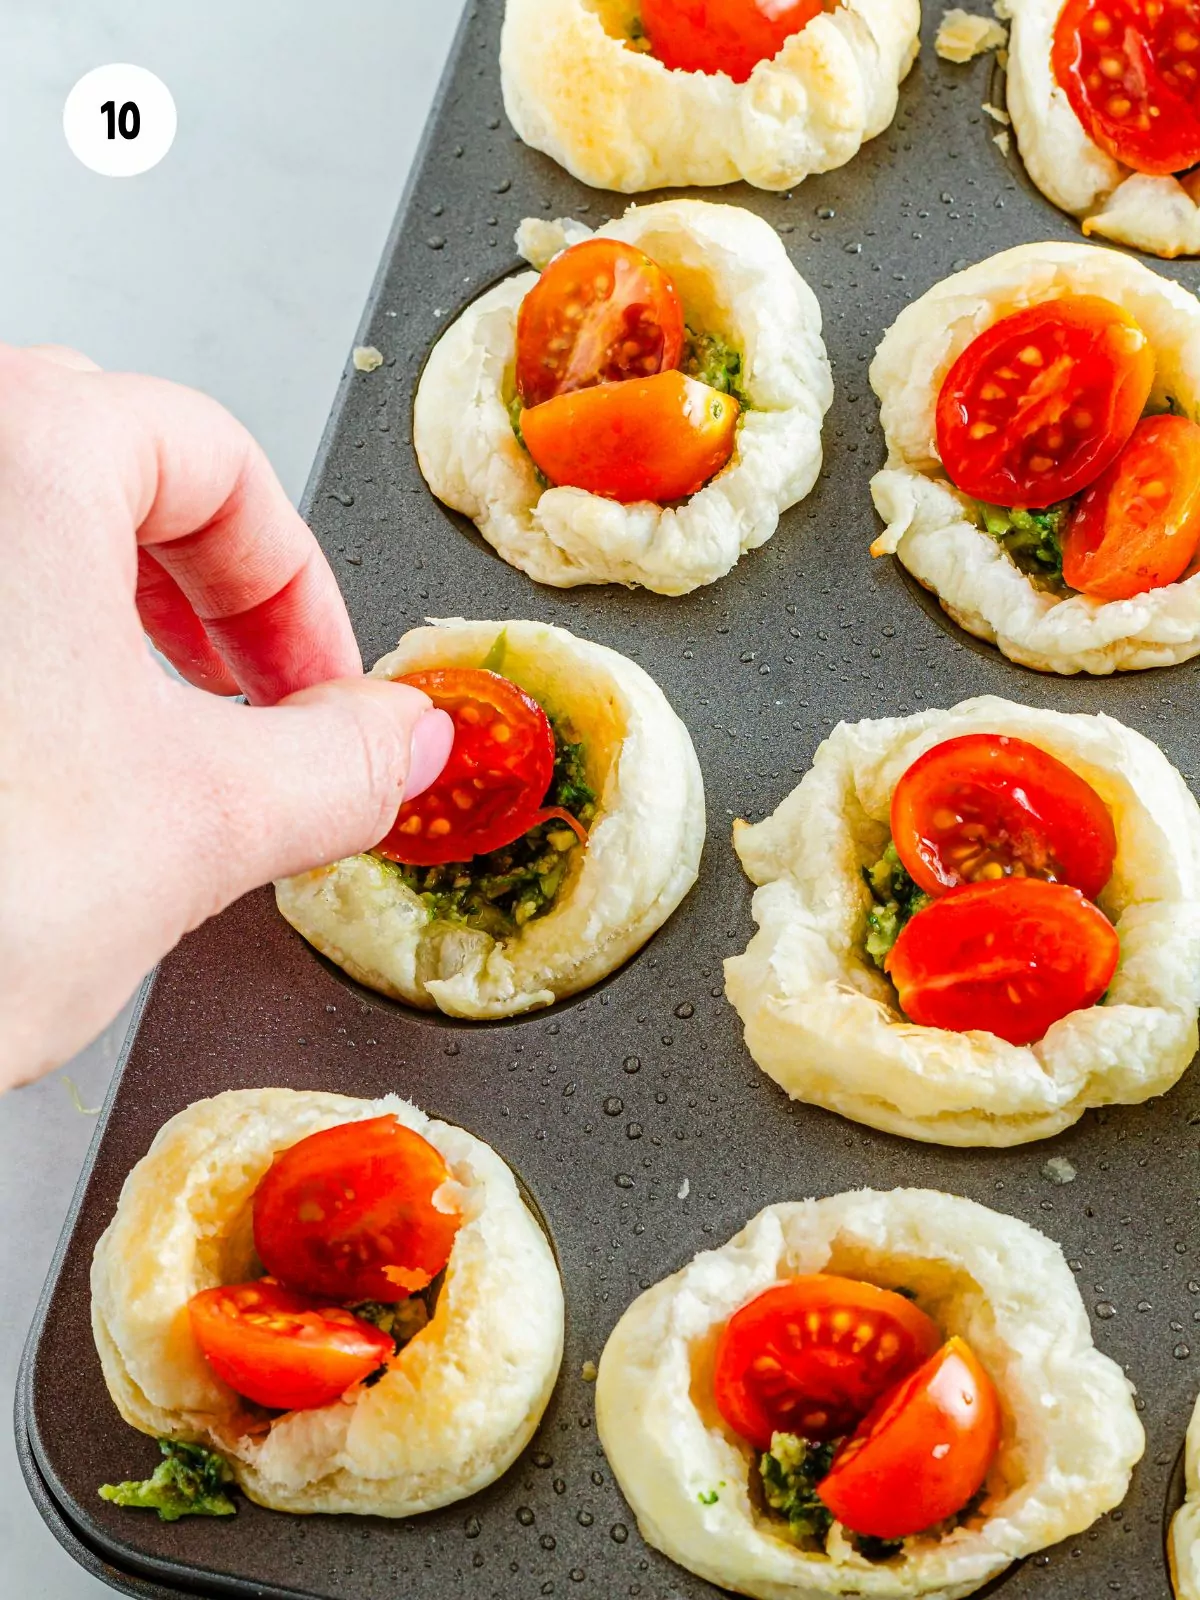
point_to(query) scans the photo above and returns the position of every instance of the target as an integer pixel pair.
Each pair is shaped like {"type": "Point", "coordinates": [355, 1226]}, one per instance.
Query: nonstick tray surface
{"type": "Point", "coordinates": [605, 1105]}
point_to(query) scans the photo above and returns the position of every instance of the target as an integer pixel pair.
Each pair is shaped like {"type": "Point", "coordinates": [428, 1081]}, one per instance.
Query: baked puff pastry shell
{"type": "Point", "coordinates": [1070, 1436]}
{"type": "Point", "coordinates": [932, 528]}
{"type": "Point", "coordinates": [619, 119]}
{"type": "Point", "coordinates": [823, 1021]}
{"type": "Point", "coordinates": [456, 1406]}
{"type": "Point", "coordinates": [1183, 1543]}
{"type": "Point", "coordinates": [736, 281]}
{"type": "Point", "coordinates": [1160, 215]}
{"type": "Point", "coordinates": [642, 855]}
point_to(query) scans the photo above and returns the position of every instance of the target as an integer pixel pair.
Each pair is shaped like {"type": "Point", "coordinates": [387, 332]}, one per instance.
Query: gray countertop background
{"type": "Point", "coordinates": [240, 265]}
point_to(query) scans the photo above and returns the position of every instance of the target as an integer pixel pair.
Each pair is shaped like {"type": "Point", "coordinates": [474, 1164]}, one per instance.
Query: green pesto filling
{"type": "Point", "coordinates": [1033, 539]}
{"type": "Point", "coordinates": [790, 1472]}
{"type": "Point", "coordinates": [189, 1482]}
{"type": "Point", "coordinates": [710, 360]}
{"type": "Point", "coordinates": [896, 898]}
{"type": "Point", "coordinates": [500, 892]}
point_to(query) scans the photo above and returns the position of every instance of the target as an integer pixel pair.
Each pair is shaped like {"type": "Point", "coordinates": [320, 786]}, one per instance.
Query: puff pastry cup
{"type": "Point", "coordinates": [1183, 1541]}
{"type": "Point", "coordinates": [619, 119]}
{"type": "Point", "coordinates": [735, 280]}
{"type": "Point", "coordinates": [1160, 215]}
{"type": "Point", "coordinates": [457, 1405]}
{"type": "Point", "coordinates": [1070, 1438]}
{"type": "Point", "coordinates": [934, 529]}
{"type": "Point", "coordinates": [642, 856]}
{"type": "Point", "coordinates": [822, 1020]}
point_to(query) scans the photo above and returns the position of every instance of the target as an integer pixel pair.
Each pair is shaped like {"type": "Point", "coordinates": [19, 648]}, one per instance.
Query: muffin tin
{"type": "Point", "coordinates": [634, 1116]}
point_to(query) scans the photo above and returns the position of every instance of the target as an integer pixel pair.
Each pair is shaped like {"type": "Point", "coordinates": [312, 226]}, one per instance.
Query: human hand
{"type": "Point", "coordinates": [132, 806]}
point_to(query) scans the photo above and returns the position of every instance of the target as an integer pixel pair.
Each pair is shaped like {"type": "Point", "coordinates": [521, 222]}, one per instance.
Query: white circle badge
{"type": "Point", "coordinates": [120, 120]}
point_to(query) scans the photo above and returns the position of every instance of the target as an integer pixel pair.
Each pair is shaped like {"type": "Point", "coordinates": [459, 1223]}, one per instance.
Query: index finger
{"type": "Point", "coordinates": [207, 504]}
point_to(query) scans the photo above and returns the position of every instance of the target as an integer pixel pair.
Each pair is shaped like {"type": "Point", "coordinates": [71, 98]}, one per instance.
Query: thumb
{"type": "Point", "coordinates": [319, 776]}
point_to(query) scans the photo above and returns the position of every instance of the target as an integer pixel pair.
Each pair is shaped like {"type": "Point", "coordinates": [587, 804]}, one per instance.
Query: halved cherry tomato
{"type": "Point", "coordinates": [730, 36]}
{"type": "Point", "coordinates": [810, 1355]}
{"type": "Point", "coordinates": [921, 1453]}
{"type": "Point", "coordinates": [1131, 70]}
{"type": "Point", "coordinates": [1010, 958]}
{"type": "Point", "coordinates": [600, 312]}
{"type": "Point", "coordinates": [1138, 526]}
{"type": "Point", "coordinates": [985, 805]}
{"type": "Point", "coordinates": [658, 438]}
{"type": "Point", "coordinates": [349, 1213]}
{"type": "Point", "coordinates": [492, 787]}
{"type": "Point", "coordinates": [1041, 402]}
{"type": "Point", "coordinates": [282, 1349]}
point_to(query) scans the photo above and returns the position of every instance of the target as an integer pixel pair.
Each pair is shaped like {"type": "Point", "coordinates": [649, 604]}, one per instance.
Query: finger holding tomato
{"type": "Point", "coordinates": [965, 1418]}
{"type": "Point", "coordinates": [640, 412]}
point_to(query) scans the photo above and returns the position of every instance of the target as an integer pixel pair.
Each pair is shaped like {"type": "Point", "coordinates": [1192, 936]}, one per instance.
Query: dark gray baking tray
{"type": "Point", "coordinates": [605, 1105]}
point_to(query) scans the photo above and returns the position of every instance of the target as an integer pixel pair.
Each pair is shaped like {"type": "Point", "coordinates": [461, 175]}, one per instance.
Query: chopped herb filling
{"type": "Point", "coordinates": [1032, 538]}
{"type": "Point", "coordinates": [636, 36]}
{"type": "Point", "coordinates": [515, 408]}
{"type": "Point", "coordinates": [791, 1470]}
{"type": "Point", "coordinates": [710, 360]}
{"type": "Point", "coordinates": [189, 1482]}
{"type": "Point", "coordinates": [896, 897]}
{"type": "Point", "coordinates": [498, 893]}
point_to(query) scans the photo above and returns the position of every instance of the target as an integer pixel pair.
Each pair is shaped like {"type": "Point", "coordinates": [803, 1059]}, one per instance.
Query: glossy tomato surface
{"type": "Point", "coordinates": [1037, 406]}
{"type": "Point", "coordinates": [282, 1349]}
{"type": "Point", "coordinates": [810, 1355]}
{"type": "Point", "coordinates": [922, 1453]}
{"type": "Point", "coordinates": [730, 36]}
{"type": "Point", "coordinates": [1009, 958]}
{"type": "Point", "coordinates": [658, 438]}
{"type": "Point", "coordinates": [1138, 526]}
{"type": "Point", "coordinates": [986, 806]}
{"type": "Point", "coordinates": [349, 1213]}
{"type": "Point", "coordinates": [491, 789]}
{"type": "Point", "coordinates": [601, 312]}
{"type": "Point", "coordinates": [1131, 70]}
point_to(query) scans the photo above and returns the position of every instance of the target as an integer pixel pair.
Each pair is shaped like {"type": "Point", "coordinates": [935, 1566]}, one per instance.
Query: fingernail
{"type": "Point", "coordinates": [430, 750]}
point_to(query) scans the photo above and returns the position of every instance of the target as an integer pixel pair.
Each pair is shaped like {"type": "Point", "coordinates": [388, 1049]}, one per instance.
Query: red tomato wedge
{"type": "Point", "coordinates": [1041, 402]}
{"type": "Point", "coordinates": [491, 789]}
{"type": "Point", "coordinates": [812, 1354]}
{"type": "Point", "coordinates": [282, 1349]}
{"type": "Point", "coordinates": [658, 438]}
{"type": "Point", "coordinates": [730, 36]}
{"type": "Point", "coordinates": [1009, 958]}
{"type": "Point", "coordinates": [1131, 70]}
{"type": "Point", "coordinates": [349, 1213]}
{"type": "Point", "coordinates": [986, 806]}
{"type": "Point", "coordinates": [1138, 526]}
{"type": "Point", "coordinates": [921, 1453]}
{"type": "Point", "coordinates": [601, 312]}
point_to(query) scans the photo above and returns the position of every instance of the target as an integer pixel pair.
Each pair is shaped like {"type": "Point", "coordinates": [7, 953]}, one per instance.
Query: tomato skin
{"type": "Point", "coordinates": [601, 312]}
{"type": "Point", "coordinates": [813, 1380]}
{"type": "Point", "coordinates": [1131, 70]}
{"type": "Point", "coordinates": [1010, 957]}
{"type": "Point", "coordinates": [282, 1349]}
{"type": "Point", "coordinates": [1138, 526]}
{"type": "Point", "coordinates": [1037, 406]}
{"type": "Point", "coordinates": [981, 804]}
{"type": "Point", "coordinates": [348, 1213]}
{"type": "Point", "coordinates": [658, 438]}
{"type": "Point", "coordinates": [922, 1452]}
{"type": "Point", "coordinates": [730, 36]}
{"type": "Point", "coordinates": [492, 787]}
